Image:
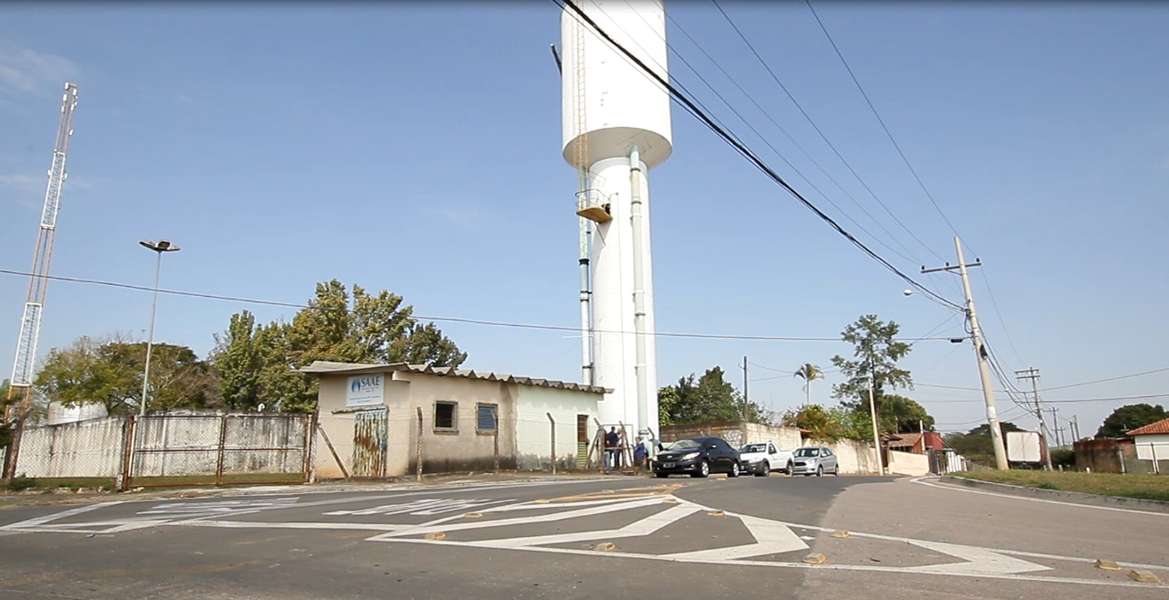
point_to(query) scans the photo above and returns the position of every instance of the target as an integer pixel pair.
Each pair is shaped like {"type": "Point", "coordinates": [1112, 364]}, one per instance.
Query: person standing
{"type": "Point", "coordinates": [639, 454]}
{"type": "Point", "coordinates": [611, 441]}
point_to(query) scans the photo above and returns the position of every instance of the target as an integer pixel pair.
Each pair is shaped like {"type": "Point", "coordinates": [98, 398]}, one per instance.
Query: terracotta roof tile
{"type": "Point", "coordinates": [1159, 428]}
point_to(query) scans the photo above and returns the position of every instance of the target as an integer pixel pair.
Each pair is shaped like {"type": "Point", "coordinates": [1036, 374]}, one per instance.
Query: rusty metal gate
{"type": "Point", "coordinates": [369, 443]}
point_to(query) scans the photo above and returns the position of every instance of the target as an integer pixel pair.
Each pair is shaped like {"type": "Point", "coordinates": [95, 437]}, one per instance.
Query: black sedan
{"type": "Point", "coordinates": [699, 457]}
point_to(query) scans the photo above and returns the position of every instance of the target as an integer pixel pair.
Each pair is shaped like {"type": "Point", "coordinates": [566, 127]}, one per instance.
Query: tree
{"type": "Point", "coordinates": [110, 373]}
{"type": "Point", "coordinates": [900, 415]}
{"type": "Point", "coordinates": [876, 354]}
{"type": "Point", "coordinates": [237, 357]}
{"type": "Point", "coordinates": [1129, 417]}
{"type": "Point", "coordinates": [809, 373]}
{"type": "Point", "coordinates": [709, 399]}
{"type": "Point", "coordinates": [976, 444]}
{"type": "Point", "coordinates": [259, 363]}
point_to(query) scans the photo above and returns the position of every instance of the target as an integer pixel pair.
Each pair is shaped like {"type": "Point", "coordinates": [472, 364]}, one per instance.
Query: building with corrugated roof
{"type": "Point", "coordinates": [385, 420]}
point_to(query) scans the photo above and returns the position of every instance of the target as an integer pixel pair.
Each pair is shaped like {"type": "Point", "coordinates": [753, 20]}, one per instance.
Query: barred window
{"type": "Point", "coordinates": [446, 416]}
{"type": "Point", "coordinates": [487, 417]}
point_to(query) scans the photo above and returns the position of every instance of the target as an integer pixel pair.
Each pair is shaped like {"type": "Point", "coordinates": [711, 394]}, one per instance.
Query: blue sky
{"type": "Point", "coordinates": [416, 147]}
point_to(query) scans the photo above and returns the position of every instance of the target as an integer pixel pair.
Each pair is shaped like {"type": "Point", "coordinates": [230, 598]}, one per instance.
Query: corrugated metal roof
{"type": "Point", "coordinates": [323, 367]}
{"type": "Point", "coordinates": [1159, 428]}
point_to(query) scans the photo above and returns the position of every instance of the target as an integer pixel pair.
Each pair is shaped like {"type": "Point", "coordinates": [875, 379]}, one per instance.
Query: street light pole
{"type": "Point", "coordinates": [159, 248]}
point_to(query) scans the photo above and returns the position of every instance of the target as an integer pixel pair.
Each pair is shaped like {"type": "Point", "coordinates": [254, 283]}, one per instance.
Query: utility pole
{"type": "Point", "coordinates": [873, 414]}
{"type": "Point", "coordinates": [1033, 374]}
{"type": "Point", "coordinates": [992, 418]}
{"type": "Point", "coordinates": [1059, 437]}
{"type": "Point", "coordinates": [1075, 428]}
{"type": "Point", "coordinates": [745, 403]}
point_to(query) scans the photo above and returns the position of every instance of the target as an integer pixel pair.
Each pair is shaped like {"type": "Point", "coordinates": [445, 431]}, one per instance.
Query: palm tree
{"type": "Point", "coordinates": [809, 373]}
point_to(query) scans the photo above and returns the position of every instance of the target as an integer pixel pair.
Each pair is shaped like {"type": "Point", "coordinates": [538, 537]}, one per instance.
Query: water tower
{"type": "Point", "coordinates": [616, 124]}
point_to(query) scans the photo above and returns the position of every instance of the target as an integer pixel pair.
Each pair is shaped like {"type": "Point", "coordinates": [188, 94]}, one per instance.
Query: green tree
{"type": "Point", "coordinates": [258, 363]}
{"type": "Point", "coordinates": [976, 444]}
{"type": "Point", "coordinates": [6, 426]}
{"type": "Point", "coordinates": [709, 399]}
{"type": "Point", "coordinates": [110, 373]}
{"type": "Point", "coordinates": [237, 358]}
{"type": "Point", "coordinates": [809, 373]}
{"type": "Point", "coordinates": [1129, 417]}
{"type": "Point", "coordinates": [667, 405]}
{"type": "Point", "coordinates": [875, 353]}
{"type": "Point", "coordinates": [901, 415]}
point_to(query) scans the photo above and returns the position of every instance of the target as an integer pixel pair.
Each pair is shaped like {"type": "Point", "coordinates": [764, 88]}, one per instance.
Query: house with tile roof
{"type": "Point", "coordinates": [1152, 443]}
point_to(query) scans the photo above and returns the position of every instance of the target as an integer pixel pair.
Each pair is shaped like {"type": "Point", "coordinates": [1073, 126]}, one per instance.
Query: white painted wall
{"type": "Point", "coordinates": [907, 463]}
{"type": "Point", "coordinates": [534, 430]}
{"type": "Point", "coordinates": [1148, 445]}
{"type": "Point", "coordinates": [854, 458]}
{"type": "Point", "coordinates": [86, 449]}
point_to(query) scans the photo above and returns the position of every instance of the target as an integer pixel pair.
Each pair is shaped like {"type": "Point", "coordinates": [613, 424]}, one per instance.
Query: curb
{"type": "Point", "coordinates": [1157, 506]}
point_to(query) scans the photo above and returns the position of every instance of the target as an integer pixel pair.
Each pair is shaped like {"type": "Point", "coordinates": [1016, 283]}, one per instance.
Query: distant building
{"type": "Point", "coordinates": [917, 443]}
{"type": "Point", "coordinates": [375, 418]}
{"type": "Point", "coordinates": [56, 414]}
{"type": "Point", "coordinates": [1152, 441]}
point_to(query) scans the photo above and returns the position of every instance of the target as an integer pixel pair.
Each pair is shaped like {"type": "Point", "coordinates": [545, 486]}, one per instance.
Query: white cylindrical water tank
{"type": "Point", "coordinates": [611, 106]}
{"type": "Point", "coordinates": [606, 95]}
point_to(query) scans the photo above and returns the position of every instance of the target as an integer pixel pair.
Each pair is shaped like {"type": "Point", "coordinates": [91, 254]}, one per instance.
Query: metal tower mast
{"type": "Point", "coordinates": [30, 323]}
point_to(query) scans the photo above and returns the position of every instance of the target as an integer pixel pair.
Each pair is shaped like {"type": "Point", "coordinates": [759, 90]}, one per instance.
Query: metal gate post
{"type": "Point", "coordinates": [128, 429]}
{"type": "Point", "coordinates": [310, 449]}
{"type": "Point", "coordinates": [495, 437]}
{"type": "Point", "coordinates": [419, 474]}
{"type": "Point", "coordinates": [222, 443]}
{"type": "Point", "coordinates": [553, 421]}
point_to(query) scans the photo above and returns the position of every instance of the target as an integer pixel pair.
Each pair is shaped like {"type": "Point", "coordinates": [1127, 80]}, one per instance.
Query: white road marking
{"type": "Point", "coordinates": [639, 528]}
{"type": "Point", "coordinates": [979, 560]}
{"type": "Point", "coordinates": [571, 514]}
{"type": "Point", "coordinates": [425, 506]}
{"type": "Point", "coordinates": [770, 538]}
{"type": "Point", "coordinates": [954, 488]}
{"type": "Point", "coordinates": [38, 521]}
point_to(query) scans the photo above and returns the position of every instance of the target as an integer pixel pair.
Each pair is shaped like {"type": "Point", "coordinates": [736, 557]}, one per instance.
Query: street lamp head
{"type": "Point", "coordinates": [160, 247]}
{"type": "Point", "coordinates": [908, 292]}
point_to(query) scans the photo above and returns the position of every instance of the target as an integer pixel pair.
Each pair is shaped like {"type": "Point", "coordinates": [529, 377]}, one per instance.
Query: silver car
{"type": "Point", "coordinates": [814, 460]}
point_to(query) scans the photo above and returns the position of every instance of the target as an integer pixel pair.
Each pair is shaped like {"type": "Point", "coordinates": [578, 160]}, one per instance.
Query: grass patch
{"type": "Point", "coordinates": [1144, 487]}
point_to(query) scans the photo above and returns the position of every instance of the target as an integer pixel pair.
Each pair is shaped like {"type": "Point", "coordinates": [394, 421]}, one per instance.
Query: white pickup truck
{"type": "Point", "coordinates": [761, 458]}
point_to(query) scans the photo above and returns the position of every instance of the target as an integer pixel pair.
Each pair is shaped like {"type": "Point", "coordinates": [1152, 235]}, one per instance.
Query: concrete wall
{"type": "Point", "coordinates": [736, 433]}
{"type": "Point", "coordinates": [534, 430]}
{"type": "Point", "coordinates": [165, 445]}
{"type": "Point", "coordinates": [84, 449]}
{"type": "Point", "coordinates": [854, 458]}
{"type": "Point", "coordinates": [908, 463]}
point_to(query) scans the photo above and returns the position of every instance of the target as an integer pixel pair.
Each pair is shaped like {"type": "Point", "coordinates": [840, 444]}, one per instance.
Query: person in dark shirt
{"type": "Point", "coordinates": [612, 457]}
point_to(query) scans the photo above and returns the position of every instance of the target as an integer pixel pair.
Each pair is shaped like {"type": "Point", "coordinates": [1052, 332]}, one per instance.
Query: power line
{"type": "Point", "coordinates": [880, 120]}
{"type": "Point", "coordinates": [753, 158]}
{"type": "Point", "coordinates": [464, 320]}
{"type": "Point", "coordinates": [763, 138]}
{"type": "Point", "coordinates": [1071, 385]}
{"type": "Point", "coordinates": [818, 130]}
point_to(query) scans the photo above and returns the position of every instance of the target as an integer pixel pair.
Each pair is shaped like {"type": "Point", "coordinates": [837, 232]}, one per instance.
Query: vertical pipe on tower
{"type": "Point", "coordinates": [638, 287]}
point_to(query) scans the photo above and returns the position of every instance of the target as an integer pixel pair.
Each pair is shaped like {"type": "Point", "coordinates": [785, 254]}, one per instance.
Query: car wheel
{"type": "Point", "coordinates": [820, 471]}
{"type": "Point", "coordinates": [662, 475]}
{"type": "Point", "coordinates": [734, 469]}
{"type": "Point", "coordinates": [764, 469]}
{"type": "Point", "coordinates": [703, 470]}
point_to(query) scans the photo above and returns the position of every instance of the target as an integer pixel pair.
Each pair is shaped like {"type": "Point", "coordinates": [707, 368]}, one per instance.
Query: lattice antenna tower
{"type": "Point", "coordinates": [30, 323]}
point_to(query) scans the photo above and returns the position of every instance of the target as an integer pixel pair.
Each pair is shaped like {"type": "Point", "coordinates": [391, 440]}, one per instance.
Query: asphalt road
{"type": "Point", "coordinates": [564, 538]}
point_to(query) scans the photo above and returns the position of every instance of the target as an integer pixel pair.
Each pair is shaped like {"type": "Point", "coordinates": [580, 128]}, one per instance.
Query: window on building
{"type": "Point", "coordinates": [487, 417]}
{"type": "Point", "coordinates": [446, 416]}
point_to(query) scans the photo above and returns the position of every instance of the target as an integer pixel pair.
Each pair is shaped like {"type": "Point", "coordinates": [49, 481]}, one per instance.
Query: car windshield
{"type": "Point", "coordinates": [683, 444]}
{"type": "Point", "coordinates": [754, 448]}
{"type": "Point", "coordinates": [808, 452]}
